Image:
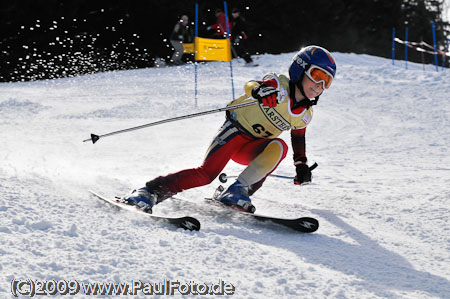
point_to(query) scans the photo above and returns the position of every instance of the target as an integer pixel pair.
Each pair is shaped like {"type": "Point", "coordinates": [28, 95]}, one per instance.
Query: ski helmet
{"type": "Point", "coordinates": [311, 55]}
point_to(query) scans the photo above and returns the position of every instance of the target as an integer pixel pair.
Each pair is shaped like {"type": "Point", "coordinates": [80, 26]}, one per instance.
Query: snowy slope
{"type": "Point", "coordinates": [381, 192]}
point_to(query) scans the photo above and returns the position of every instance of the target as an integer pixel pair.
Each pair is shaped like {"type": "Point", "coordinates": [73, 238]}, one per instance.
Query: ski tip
{"type": "Point", "coordinates": [307, 224]}
{"type": "Point", "coordinates": [190, 223]}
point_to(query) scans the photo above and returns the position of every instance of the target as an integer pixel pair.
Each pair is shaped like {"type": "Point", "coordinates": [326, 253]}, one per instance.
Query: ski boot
{"type": "Point", "coordinates": [143, 198]}
{"type": "Point", "coordinates": [236, 196]}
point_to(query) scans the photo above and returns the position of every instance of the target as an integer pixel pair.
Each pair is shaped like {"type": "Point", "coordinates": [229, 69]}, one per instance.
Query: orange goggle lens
{"type": "Point", "coordinates": [319, 75]}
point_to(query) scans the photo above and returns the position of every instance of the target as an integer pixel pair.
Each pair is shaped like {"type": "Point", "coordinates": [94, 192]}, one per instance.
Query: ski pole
{"type": "Point", "coordinates": [94, 138]}
{"type": "Point", "coordinates": [223, 177]}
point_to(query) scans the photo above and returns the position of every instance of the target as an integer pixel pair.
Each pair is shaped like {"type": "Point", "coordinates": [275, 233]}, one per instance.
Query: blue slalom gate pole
{"type": "Point", "coordinates": [443, 61]}
{"type": "Point", "coordinates": [435, 50]}
{"type": "Point", "coordinates": [448, 49]}
{"type": "Point", "coordinates": [393, 45]}
{"type": "Point", "coordinates": [444, 56]}
{"type": "Point", "coordinates": [195, 51]}
{"type": "Point", "coordinates": [406, 48]}
{"type": "Point", "coordinates": [229, 38]}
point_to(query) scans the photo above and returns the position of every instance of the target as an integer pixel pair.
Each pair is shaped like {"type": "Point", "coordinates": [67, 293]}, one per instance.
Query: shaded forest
{"type": "Point", "coordinates": [41, 39]}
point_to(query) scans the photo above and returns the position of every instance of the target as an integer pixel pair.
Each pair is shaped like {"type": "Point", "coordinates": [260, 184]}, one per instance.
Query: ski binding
{"type": "Point", "coordinates": [185, 222]}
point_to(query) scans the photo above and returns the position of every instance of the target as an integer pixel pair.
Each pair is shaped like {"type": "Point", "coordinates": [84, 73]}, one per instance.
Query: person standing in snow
{"type": "Point", "coordinates": [239, 36]}
{"type": "Point", "coordinates": [249, 134]}
{"type": "Point", "coordinates": [220, 28]}
{"type": "Point", "coordinates": [180, 33]}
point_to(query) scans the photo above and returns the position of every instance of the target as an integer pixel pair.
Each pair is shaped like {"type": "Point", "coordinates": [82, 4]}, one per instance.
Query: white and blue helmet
{"type": "Point", "coordinates": [311, 55]}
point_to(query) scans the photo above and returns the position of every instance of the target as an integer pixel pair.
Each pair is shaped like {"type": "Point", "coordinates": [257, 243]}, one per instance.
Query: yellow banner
{"type": "Point", "coordinates": [212, 49]}
{"type": "Point", "coordinates": [188, 47]}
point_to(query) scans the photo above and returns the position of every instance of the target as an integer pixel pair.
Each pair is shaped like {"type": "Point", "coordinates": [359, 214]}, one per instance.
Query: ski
{"type": "Point", "coordinates": [302, 224]}
{"type": "Point", "coordinates": [186, 222]}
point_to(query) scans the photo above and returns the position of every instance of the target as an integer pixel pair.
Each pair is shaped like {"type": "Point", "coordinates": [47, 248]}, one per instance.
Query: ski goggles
{"type": "Point", "coordinates": [319, 75]}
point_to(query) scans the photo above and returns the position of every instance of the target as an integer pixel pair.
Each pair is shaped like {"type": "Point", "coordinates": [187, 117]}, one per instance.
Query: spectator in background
{"type": "Point", "coordinates": [181, 34]}
{"type": "Point", "coordinates": [239, 37]}
{"type": "Point", "coordinates": [220, 28]}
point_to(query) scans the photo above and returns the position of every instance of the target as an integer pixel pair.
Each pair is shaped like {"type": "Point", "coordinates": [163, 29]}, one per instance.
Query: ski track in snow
{"type": "Point", "coordinates": [381, 191]}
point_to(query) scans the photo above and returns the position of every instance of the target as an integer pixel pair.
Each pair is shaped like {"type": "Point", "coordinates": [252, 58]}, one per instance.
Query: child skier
{"type": "Point", "coordinates": [249, 135]}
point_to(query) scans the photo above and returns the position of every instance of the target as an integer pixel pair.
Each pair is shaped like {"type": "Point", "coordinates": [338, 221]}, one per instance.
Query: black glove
{"type": "Point", "coordinates": [303, 174]}
{"type": "Point", "coordinates": [266, 95]}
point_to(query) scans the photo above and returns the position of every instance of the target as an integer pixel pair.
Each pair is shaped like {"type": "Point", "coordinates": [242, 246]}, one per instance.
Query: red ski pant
{"type": "Point", "coordinates": [261, 155]}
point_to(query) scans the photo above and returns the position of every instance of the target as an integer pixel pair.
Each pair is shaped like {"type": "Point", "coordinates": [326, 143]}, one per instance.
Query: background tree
{"type": "Point", "coordinates": [56, 38]}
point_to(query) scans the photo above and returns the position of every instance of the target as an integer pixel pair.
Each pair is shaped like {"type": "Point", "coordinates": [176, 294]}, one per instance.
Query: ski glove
{"type": "Point", "coordinates": [303, 174]}
{"type": "Point", "coordinates": [266, 95]}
